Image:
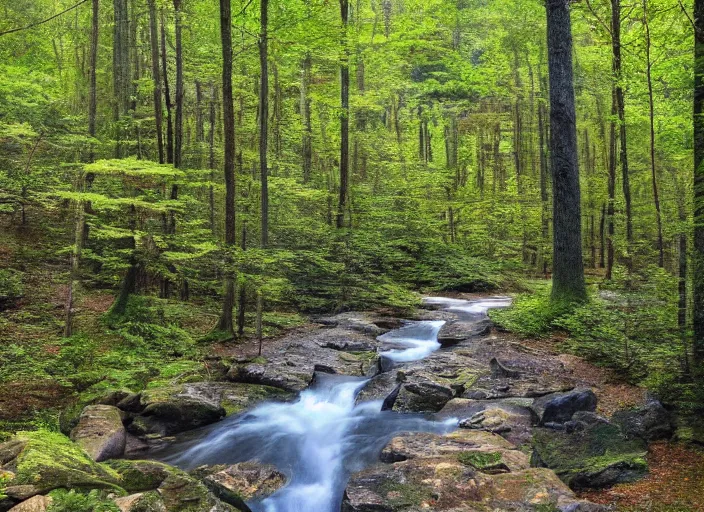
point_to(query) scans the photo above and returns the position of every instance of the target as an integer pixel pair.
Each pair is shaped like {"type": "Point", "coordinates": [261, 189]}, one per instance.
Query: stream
{"type": "Point", "coordinates": [323, 437]}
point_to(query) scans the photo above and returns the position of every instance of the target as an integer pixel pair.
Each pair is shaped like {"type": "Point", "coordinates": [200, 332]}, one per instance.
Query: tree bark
{"type": "Point", "coordinates": [651, 105]}
{"type": "Point", "coordinates": [620, 110]}
{"type": "Point", "coordinates": [263, 120]}
{"type": "Point", "coordinates": [344, 116]}
{"type": "Point", "coordinates": [698, 252]}
{"type": "Point", "coordinates": [568, 270]}
{"type": "Point", "coordinates": [225, 324]}
{"type": "Point", "coordinates": [156, 77]}
{"type": "Point", "coordinates": [167, 96]}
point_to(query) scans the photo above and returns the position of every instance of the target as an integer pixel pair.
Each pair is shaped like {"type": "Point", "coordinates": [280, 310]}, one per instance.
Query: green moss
{"type": "Point", "coordinates": [479, 460]}
{"type": "Point", "coordinates": [402, 495]}
{"type": "Point", "coordinates": [141, 475]}
{"type": "Point", "coordinates": [583, 457]}
{"type": "Point", "coordinates": [50, 461]}
{"type": "Point", "coordinates": [259, 360]}
{"type": "Point", "coordinates": [249, 394]}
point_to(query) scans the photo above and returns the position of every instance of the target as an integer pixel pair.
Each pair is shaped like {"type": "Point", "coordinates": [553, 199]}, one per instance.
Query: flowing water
{"type": "Point", "coordinates": [319, 440]}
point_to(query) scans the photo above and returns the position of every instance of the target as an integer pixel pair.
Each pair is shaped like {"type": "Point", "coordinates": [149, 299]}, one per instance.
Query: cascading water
{"type": "Point", "coordinates": [322, 438]}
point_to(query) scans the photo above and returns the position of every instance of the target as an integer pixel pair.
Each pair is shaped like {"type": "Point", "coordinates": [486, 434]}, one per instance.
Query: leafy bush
{"type": "Point", "coordinates": [144, 327]}
{"type": "Point", "coordinates": [530, 314]}
{"type": "Point", "coordinates": [72, 501]}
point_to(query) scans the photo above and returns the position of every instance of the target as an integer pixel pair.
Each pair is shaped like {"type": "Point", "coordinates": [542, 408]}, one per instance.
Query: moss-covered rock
{"type": "Point", "coordinates": [594, 454]}
{"type": "Point", "coordinates": [239, 483]}
{"type": "Point", "coordinates": [164, 411]}
{"type": "Point", "coordinates": [142, 502]}
{"type": "Point", "coordinates": [42, 461]}
{"type": "Point", "coordinates": [183, 493]}
{"type": "Point", "coordinates": [140, 475]}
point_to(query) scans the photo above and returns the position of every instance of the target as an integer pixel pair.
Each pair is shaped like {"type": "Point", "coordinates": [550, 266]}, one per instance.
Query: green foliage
{"type": "Point", "coordinates": [11, 287]}
{"type": "Point", "coordinates": [144, 327]}
{"type": "Point", "coordinates": [532, 314]}
{"type": "Point", "coordinates": [74, 501]}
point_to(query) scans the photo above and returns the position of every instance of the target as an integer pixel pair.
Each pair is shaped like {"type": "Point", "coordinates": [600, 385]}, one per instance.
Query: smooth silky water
{"type": "Point", "coordinates": [323, 437]}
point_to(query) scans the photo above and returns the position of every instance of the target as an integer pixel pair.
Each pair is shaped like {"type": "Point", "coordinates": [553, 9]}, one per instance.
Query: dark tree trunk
{"type": "Point", "coordinates": [228, 114]}
{"type": "Point", "coordinates": [611, 208]}
{"type": "Point", "coordinates": [568, 270]}
{"type": "Point", "coordinates": [121, 68]}
{"type": "Point", "coordinates": [178, 128]}
{"type": "Point", "coordinates": [167, 96]}
{"type": "Point", "coordinates": [156, 76]}
{"type": "Point", "coordinates": [620, 109]}
{"type": "Point", "coordinates": [698, 253]}
{"type": "Point", "coordinates": [263, 120]}
{"type": "Point", "coordinates": [344, 116]}
{"type": "Point", "coordinates": [211, 156]}
{"type": "Point", "coordinates": [602, 237]}
{"type": "Point", "coordinates": [242, 301]}
{"type": "Point", "coordinates": [649, 77]}
{"type": "Point", "coordinates": [93, 101]}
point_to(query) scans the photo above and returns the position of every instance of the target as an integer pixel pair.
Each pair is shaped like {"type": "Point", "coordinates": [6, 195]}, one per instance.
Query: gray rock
{"type": "Point", "coordinates": [34, 504]}
{"type": "Point", "coordinates": [652, 422]}
{"type": "Point", "coordinates": [422, 396]}
{"type": "Point", "coordinates": [560, 407]}
{"type": "Point", "coordinates": [100, 432]}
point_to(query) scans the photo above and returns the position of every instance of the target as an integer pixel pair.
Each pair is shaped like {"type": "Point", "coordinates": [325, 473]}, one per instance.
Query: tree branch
{"type": "Point", "coordinates": [43, 21]}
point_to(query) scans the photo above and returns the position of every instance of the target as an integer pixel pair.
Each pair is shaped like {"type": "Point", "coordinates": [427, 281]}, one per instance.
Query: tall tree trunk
{"type": "Point", "coordinates": [306, 116]}
{"type": "Point", "coordinates": [167, 95]}
{"type": "Point", "coordinates": [156, 77]}
{"type": "Point", "coordinates": [651, 105]}
{"type": "Point", "coordinates": [178, 128]}
{"type": "Point", "coordinates": [242, 301]}
{"type": "Point", "coordinates": [344, 116]}
{"type": "Point", "coordinates": [225, 324]}
{"type": "Point", "coordinates": [263, 119]}
{"type": "Point", "coordinates": [211, 156]}
{"type": "Point", "coordinates": [121, 68]}
{"type": "Point", "coordinates": [611, 207]}
{"type": "Point", "coordinates": [568, 270]}
{"type": "Point", "coordinates": [620, 110]}
{"type": "Point", "coordinates": [93, 85]}
{"type": "Point", "coordinates": [79, 229]}
{"type": "Point", "coordinates": [698, 253]}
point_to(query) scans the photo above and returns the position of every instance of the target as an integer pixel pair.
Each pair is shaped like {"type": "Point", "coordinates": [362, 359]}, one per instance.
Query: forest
{"type": "Point", "coordinates": [352, 256]}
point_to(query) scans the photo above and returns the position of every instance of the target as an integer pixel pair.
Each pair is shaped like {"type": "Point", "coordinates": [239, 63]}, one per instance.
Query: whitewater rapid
{"type": "Point", "coordinates": [324, 437]}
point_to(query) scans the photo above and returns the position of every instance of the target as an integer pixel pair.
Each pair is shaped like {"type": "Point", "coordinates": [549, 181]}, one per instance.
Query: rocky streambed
{"type": "Point", "coordinates": [359, 411]}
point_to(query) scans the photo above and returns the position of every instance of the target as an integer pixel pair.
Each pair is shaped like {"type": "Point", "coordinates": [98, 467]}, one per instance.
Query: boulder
{"type": "Point", "coordinates": [100, 432]}
{"type": "Point", "coordinates": [142, 502]}
{"type": "Point", "coordinates": [510, 418]}
{"type": "Point", "coordinates": [422, 396]}
{"type": "Point", "coordinates": [239, 483]}
{"type": "Point", "coordinates": [652, 422]}
{"type": "Point", "coordinates": [169, 410]}
{"type": "Point", "coordinates": [33, 504]}
{"type": "Point", "coordinates": [140, 475]}
{"type": "Point", "coordinates": [560, 407]}
{"type": "Point", "coordinates": [591, 453]}
{"type": "Point", "coordinates": [43, 461]}
{"type": "Point", "coordinates": [178, 491]}
{"type": "Point", "coordinates": [183, 493]}
{"type": "Point", "coordinates": [454, 333]}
